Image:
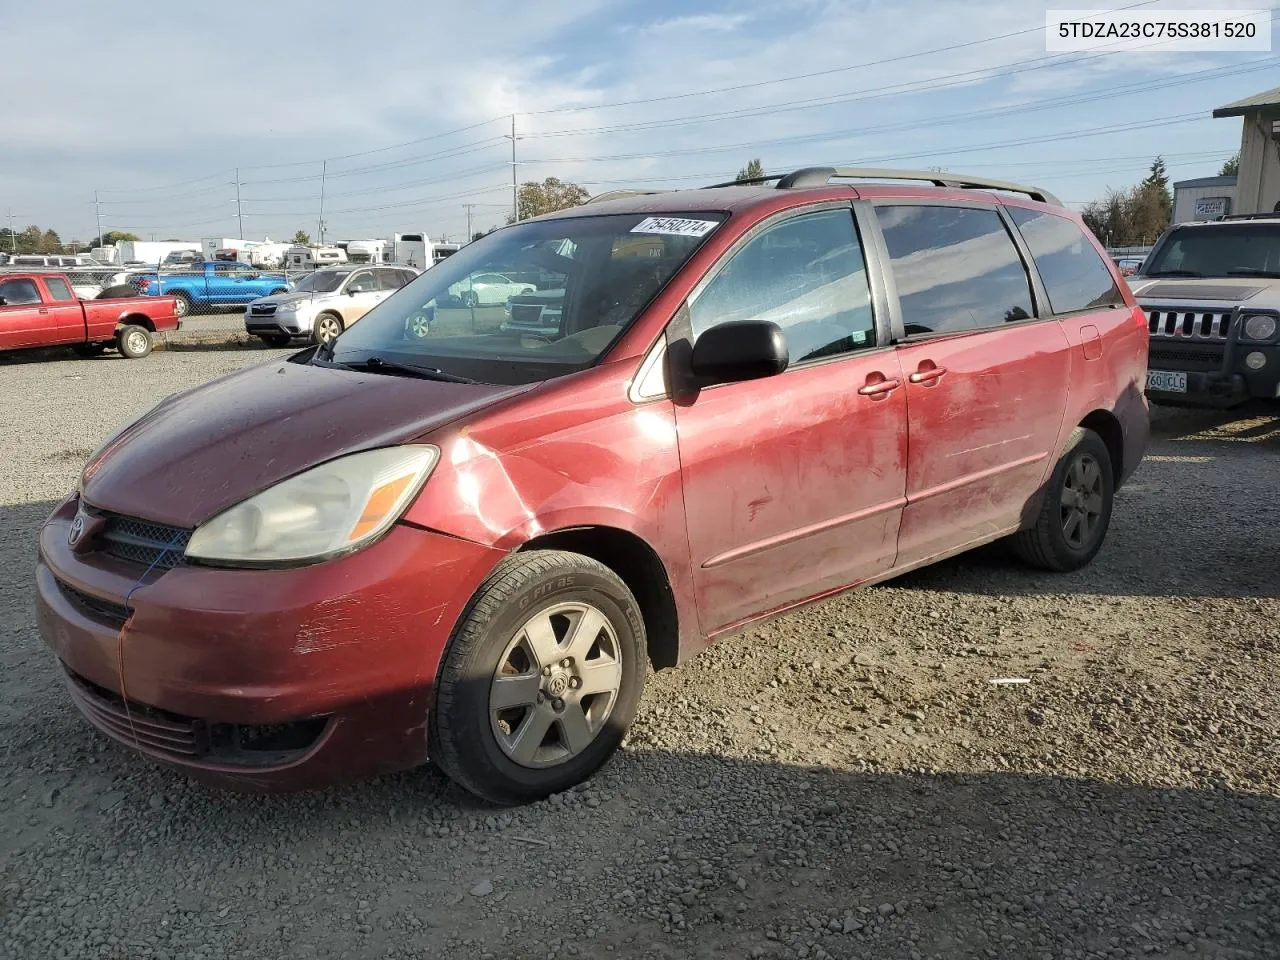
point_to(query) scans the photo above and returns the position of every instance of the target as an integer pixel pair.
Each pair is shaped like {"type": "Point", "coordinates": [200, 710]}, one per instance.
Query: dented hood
{"type": "Point", "coordinates": [204, 450]}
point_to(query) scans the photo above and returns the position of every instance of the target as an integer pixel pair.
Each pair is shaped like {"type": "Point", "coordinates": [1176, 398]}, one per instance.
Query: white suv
{"type": "Point", "coordinates": [323, 304]}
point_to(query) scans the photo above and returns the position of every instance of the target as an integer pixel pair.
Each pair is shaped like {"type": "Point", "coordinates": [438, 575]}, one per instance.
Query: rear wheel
{"type": "Point", "coordinates": [470, 299]}
{"type": "Point", "coordinates": [327, 327]}
{"type": "Point", "coordinates": [1076, 513]}
{"type": "Point", "coordinates": [183, 307]}
{"type": "Point", "coordinates": [541, 678]}
{"type": "Point", "coordinates": [133, 341]}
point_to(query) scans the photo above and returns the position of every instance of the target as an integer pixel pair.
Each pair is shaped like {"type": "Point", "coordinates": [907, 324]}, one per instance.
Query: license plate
{"type": "Point", "coordinates": [1165, 381]}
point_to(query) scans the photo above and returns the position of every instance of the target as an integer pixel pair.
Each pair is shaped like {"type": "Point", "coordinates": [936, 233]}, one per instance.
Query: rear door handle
{"type": "Point", "coordinates": [879, 388]}
{"type": "Point", "coordinates": [930, 374]}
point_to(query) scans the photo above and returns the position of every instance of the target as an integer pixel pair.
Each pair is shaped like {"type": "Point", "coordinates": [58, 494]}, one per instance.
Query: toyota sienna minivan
{"type": "Point", "coordinates": [439, 538]}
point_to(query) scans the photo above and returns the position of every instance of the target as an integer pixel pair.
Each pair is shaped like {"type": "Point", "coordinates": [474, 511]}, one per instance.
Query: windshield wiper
{"type": "Point", "coordinates": [1252, 272]}
{"type": "Point", "coordinates": [378, 365]}
{"type": "Point", "coordinates": [1174, 273]}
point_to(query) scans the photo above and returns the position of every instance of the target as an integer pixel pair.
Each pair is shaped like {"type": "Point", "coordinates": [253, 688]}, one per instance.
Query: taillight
{"type": "Point", "coordinates": [144, 286]}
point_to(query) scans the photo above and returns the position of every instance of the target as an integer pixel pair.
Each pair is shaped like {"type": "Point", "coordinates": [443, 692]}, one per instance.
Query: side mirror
{"type": "Point", "coordinates": [741, 350]}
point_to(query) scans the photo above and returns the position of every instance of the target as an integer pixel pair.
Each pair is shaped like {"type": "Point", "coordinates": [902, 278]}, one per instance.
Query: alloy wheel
{"type": "Point", "coordinates": [1082, 502]}
{"type": "Point", "coordinates": [555, 685]}
{"type": "Point", "coordinates": [327, 329]}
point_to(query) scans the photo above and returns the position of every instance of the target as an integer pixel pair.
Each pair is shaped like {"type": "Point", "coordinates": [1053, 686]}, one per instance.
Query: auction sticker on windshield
{"type": "Point", "coordinates": [675, 226]}
{"type": "Point", "coordinates": [1166, 381]}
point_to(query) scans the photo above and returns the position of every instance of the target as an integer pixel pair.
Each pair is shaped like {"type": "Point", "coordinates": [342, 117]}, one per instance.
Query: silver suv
{"type": "Point", "coordinates": [1211, 292]}
{"type": "Point", "coordinates": [323, 304]}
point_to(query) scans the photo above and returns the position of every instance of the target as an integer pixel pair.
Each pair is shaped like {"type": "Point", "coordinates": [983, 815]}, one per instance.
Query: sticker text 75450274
{"type": "Point", "coordinates": [675, 226]}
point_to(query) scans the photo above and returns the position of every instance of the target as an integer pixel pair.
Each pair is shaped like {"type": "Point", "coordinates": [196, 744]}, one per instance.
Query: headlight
{"type": "Point", "coordinates": [334, 508]}
{"type": "Point", "coordinates": [1260, 327]}
{"type": "Point", "coordinates": [289, 306]}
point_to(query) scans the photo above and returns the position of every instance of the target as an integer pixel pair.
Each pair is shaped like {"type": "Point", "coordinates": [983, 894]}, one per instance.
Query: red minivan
{"type": "Point", "coordinates": [459, 531]}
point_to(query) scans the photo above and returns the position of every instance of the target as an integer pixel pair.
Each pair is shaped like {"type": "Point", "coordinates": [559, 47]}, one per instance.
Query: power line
{"type": "Point", "coordinates": [809, 76]}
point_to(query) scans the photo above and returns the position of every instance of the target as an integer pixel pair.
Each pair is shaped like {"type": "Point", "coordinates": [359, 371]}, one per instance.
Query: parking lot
{"type": "Point", "coordinates": [843, 782]}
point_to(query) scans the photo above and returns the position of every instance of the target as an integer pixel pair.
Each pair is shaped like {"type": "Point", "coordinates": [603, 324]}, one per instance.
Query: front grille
{"type": "Point", "coordinates": [1207, 358]}
{"type": "Point", "coordinates": [140, 541]}
{"type": "Point", "coordinates": [262, 310]}
{"type": "Point", "coordinates": [138, 725]}
{"type": "Point", "coordinates": [1189, 324]}
{"type": "Point", "coordinates": [526, 314]}
{"type": "Point", "coordinates": [113, 614]}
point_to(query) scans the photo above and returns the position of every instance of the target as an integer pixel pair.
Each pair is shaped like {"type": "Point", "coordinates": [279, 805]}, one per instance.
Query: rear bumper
{"type": "Point", "coordinates": [260, 679]}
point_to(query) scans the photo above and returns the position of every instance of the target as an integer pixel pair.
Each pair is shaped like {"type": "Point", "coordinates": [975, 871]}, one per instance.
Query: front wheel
{"type": "Point", "coordinates": [541, 678]}
{"type": "Point", "coordinates": [327, 328]}
{"type": "Point", "coordinates": [133, 341]}
{"type": "Point", "coordinates": [1076, 513]}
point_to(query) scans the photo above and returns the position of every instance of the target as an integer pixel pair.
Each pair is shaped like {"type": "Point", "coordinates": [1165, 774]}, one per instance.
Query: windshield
{"type": "Point", "coordinates": [1239, 250]}
{"type": "Point", "coordinates": [322, 281]}
{"type": "Point", "coordinates": [530, 302]}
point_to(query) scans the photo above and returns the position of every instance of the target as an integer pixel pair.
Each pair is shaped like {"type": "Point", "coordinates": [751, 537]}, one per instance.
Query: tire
{"type": "Point", "coordinates": [1070, 529]}
{"type": "Point", "coordinates": [90, 349]}
{"type": "Point", "coordinates": [327, 326]}
{"type": "Point", "coordinates": [470, 299]}
{"type": "Point", "coordinates": [133, 341]}
{"type": "Point", "coordinates": [275, 339]}
{"type": "Point", "coordinates": [418, 326]}
{"type": "Point", "coordinates": [183, 307]}
{"type": "Point", "coordinates": [487, 749]}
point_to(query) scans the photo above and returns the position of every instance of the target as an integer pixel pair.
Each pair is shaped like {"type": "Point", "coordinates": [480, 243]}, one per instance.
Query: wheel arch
{"type": "Point", "coordinates": [136, 319]}
{"type": "Point", "coordinates": [1107, 426]}
{"type": "Point", "coordinates": [639, 567]}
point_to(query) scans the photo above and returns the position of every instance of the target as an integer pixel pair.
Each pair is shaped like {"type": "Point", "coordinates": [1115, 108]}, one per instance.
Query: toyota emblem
{"type": "Point", "coordinates": [76, 531]}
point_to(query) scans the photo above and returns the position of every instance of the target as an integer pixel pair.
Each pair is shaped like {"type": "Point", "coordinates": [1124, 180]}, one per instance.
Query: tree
{"type": "Point", "coordinates": [301, 239]}
{"type": "Point", "coordinates": [1157, 182]}
{"type": "Point", "coordinates": [535, 199]}
{"type": "Point", "coordinates": [112, 237]}
{"type": "Point", "coordinates": [1231, 168]}
{"type": "Point", "coordinates": [754, 170]}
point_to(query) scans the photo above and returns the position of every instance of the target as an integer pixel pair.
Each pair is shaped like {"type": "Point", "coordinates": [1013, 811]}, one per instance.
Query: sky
{"type": "Point", "coordinates": [400, 112]}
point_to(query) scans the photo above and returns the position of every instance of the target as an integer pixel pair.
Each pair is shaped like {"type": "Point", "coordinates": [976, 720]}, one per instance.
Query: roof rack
{"type": "Point", "coordinates": [619, 194]}
{"type": "Point", "coordinates": [1273, 215]}
{"type": "Point", "coordinates": [820, 176]}
{"type": "Point", "coordinates": [817, 176]}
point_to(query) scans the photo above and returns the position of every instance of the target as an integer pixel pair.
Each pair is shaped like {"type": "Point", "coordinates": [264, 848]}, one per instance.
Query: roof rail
{"type": "Point", "coordinates": [820, 176]}
{"type": "Point", "coordinates": [619, 194]}
{"type": "Point", "coordinates": [1273, 215]}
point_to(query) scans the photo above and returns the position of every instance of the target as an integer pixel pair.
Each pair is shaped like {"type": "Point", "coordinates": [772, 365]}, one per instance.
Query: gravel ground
{"type": "Point", "coordinates": [844, 782]}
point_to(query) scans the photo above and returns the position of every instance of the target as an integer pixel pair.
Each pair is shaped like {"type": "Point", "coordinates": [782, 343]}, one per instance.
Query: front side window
{"type": "Point", "coordinates": [956, 268]}
{"type": "Point", "coordinates": [807, 275]}
{"type": "Point", "coordinates": [1220, 250]}
{"type": "Point", "coordinates": [322, 281]}
{"type": "Point", "coordinates": [1075, 276]}
{"type": "Point", "coordinates": [361, 283]}
{"type": "Point", "coordinates": [20, 292]}
{"type": "Point", "coordinates": [575, 298]}
{"type": "Point", "coordinates": [58, 288]}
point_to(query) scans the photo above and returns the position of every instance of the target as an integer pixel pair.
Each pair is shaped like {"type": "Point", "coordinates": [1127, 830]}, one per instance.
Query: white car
{"type": "Point", "coordinates": [488, 290]}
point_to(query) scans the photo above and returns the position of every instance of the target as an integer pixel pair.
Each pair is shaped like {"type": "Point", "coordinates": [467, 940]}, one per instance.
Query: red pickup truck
{"type": "Point", "coordinates": [41, 310]}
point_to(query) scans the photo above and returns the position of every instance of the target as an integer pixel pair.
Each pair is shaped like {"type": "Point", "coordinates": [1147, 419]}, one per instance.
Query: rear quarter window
{"type": "Point", "coordinates": [1075, 277]}
{"type": "Point", "coordinates": [58, 288]}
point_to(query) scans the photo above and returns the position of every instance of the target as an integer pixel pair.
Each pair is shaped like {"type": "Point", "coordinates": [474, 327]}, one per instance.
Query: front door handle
{"type": "Point", "coordinates": [879, 386]}
{"type": "Point", "coordinates": [927, 373]}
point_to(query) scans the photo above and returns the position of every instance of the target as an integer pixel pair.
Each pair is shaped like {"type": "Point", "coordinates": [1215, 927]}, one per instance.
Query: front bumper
{"type": "Point", "coordinates": [260, 679]}
{"type": "Point", "coordinates": [294, 323]}
{"type": "Point", "coordinates": [1216, 368]}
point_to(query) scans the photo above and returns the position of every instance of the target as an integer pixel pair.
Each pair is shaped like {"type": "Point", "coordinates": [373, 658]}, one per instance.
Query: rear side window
{"type": "Point", "coordinates": [16, 293]}
{"type": "Point", "coordinates": [956, 268]}
{"type": "Point", "coordinates": [389, 279]}
{"type": "Point", "coordinates": [58, 288]}
{"type": "Point", "coordinates": [807, 275]}
{"type": "Point", "coordinates": [1074, 276]}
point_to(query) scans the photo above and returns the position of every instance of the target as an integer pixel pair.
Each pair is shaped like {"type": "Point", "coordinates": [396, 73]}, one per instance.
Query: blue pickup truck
{"type": "Point", "coordinates": [212, 283]}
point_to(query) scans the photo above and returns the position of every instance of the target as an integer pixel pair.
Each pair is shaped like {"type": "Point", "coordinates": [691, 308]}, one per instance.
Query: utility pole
{"type": "Point", "coordinates": [239, 212]}
{"type": "Point", "coordinates": [13, 241]}
{"type": "Point", "coordinates": [97, 207]}
{"type": "Point", "coordinates": [515, 189]}
{"type": "Point", "coordinates": [324, 169]}
{"type": "Point", "coordinates": [468, 207]}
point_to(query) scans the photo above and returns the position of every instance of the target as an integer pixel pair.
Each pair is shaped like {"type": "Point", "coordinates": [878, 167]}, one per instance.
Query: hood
{"type": "Point", "coordinates": [279, 298]}
{"type": "Point", "coordinates": [1260, 292]}
{"type": "Point", "coordinates": [206, 449]}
